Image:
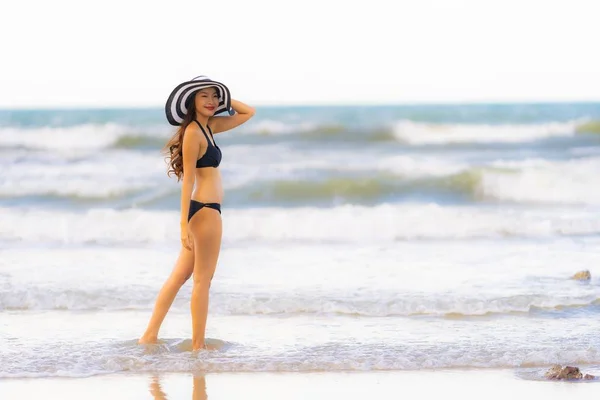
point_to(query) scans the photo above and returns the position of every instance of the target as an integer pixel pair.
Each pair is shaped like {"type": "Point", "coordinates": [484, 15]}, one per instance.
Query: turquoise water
{"type": "Point", "coordinates": [365, 115]}
{"type": "Point", "coordinates": [292, 156]}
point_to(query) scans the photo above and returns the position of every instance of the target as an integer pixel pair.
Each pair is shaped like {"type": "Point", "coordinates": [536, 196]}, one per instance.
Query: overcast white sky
{"type": "Point", "coordinates": [65, 53]}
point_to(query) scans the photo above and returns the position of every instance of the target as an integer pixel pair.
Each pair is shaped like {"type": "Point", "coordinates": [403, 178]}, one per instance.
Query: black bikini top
{"type": "Point", "coordinates": [212, 157]}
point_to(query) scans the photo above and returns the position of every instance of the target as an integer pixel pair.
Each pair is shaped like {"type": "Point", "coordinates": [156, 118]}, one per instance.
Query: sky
{"type": "Point", "coordinates": [65, 53]}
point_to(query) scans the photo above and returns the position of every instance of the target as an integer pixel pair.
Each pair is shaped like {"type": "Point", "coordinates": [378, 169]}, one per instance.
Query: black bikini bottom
{"type": "Point", "coordinates": [196, 206]}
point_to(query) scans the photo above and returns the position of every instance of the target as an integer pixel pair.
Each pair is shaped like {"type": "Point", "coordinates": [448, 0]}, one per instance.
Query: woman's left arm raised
{"type": "Point", "coordinates": [243, 113]}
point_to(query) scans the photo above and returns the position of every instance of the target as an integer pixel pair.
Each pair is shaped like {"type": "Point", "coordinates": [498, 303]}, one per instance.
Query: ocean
{"type": "Point", "coordinates": [377, 238]}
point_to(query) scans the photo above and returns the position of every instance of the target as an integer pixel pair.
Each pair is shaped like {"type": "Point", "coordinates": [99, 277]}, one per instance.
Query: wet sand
{"type": "Point", "coordinates": [439, 384]}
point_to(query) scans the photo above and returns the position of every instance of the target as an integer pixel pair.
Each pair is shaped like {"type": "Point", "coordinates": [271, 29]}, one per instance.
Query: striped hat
{"type": "Point", "coordinates": [178, 102]}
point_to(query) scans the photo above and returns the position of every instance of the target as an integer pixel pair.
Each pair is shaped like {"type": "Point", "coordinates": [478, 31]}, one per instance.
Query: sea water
{"type": "Point", "coordinates": [355, 238]}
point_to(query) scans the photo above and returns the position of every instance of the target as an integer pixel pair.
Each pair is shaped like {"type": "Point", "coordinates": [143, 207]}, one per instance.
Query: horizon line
{"type": "Point", "coordinates": [314, 104]}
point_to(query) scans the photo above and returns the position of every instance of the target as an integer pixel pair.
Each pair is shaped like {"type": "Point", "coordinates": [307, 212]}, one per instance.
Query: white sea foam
{"type": "Point", "coordinates": [103, 343]}
{"type": "Point", "coordinates": [79, 137]}
{"type": "Point", "coordinates": [543, 182]}
{"type": "Point", "coordinates": [103, 175]}
{"type": "Point", "coordinates": [63, 296]}
{"type": "Point", "coordinates": [90, 137]}
{"type": "Point", "coordinates": [383, 223]}
{"type": "Point", "coordinates": [276, 127]}
{"type": "Point", "coordinates": [120, 172]}
{"type": "Point", "coordinates": [423, 133]}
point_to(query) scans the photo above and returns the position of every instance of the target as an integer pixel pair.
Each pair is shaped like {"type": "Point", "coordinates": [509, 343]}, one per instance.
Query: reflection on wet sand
{"type": "Point", "coordinates": [198, 391]}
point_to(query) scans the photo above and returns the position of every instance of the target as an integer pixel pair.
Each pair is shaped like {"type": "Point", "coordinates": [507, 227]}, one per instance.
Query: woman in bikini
{"type": "Point", "coordinates": [194, 158]}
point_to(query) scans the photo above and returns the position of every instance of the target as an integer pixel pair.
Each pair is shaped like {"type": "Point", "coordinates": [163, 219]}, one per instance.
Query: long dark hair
{"type": "Point", "coordinates": [174, 147]}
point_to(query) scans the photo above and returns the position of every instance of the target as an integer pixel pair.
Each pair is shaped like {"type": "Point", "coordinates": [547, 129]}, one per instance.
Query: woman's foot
{"type": "Point", "coordinates": [148, 340]}
{"type": "Point", "coordinates": [207, 346]}
{"type": "Point", "coordinates": [204, 346]}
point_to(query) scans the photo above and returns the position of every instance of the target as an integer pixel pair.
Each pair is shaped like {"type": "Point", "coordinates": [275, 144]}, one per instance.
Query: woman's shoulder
{"type": "Point", "coordinates": [191, 132]}
{"type": "Point", "coordinates": [192, 128]}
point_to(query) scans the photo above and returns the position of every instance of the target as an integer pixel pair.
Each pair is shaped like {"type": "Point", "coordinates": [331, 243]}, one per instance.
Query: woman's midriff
{"type": "Point", "coordinates": [209, 188]}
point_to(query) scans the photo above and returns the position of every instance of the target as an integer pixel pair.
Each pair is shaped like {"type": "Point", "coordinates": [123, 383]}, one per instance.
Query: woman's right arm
{"type": "Point", "coordinates": [243, 113]}
{"type": "Point", "coordinates": [190, 148]}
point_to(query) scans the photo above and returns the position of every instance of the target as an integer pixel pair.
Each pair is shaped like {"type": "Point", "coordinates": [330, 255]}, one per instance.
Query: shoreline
{"type": "Point", "coordinates": [423, 384]}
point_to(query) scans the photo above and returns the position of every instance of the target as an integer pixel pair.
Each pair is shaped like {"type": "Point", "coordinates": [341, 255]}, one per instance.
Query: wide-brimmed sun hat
{"type": "Point", "coordinates": [179, 100]}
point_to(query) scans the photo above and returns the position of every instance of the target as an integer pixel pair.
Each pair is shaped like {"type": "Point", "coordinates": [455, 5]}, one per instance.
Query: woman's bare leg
{"type": "Point", "coordinates": [181, 273]}
{"type": "Point", "coordinates": [206, 227]}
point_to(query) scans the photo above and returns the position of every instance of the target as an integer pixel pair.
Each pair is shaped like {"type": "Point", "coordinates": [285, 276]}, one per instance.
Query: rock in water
{"type": "Point", "coordinates": [582, 276]}
{"type": "Point", "coordinates": [566, 373]}
{"type": "Point", "coordinates": [553, 372]}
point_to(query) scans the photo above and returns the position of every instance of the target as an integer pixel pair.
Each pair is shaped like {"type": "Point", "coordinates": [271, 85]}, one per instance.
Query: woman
{"type": "Point", "coordinates": [194, 159]}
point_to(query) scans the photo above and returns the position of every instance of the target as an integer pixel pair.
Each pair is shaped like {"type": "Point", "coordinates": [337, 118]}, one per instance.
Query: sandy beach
{"type": "Point", "coordinates": [463, 384]}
